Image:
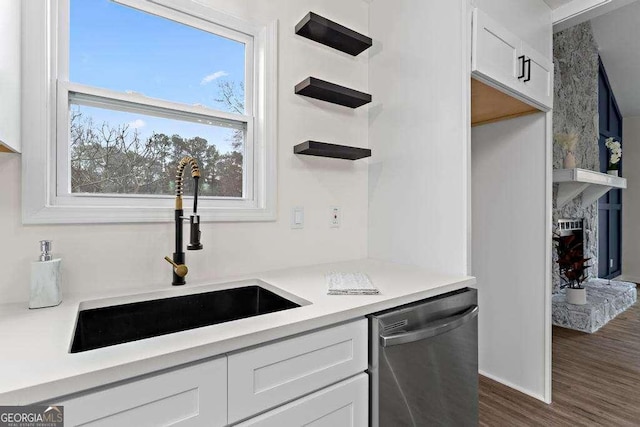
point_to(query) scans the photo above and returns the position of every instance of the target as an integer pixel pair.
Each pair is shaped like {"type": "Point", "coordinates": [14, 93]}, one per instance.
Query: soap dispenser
{"type": "Point", "coordinates": [45, 279]}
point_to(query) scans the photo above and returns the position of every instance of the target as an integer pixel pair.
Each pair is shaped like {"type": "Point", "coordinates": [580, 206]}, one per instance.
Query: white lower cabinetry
{"type": "Point", "coordinates": [191, 396]}
{"type": "Point", "coordinates": [345, 404]}
{"type": "Point", "coordinates": [273, 374]}
{"type": "Point", "coordinates": [282, 377]}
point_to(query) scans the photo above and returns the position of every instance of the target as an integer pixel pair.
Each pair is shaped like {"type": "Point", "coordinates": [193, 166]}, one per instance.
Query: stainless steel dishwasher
{"type": "Point", "coordinates": [423, 363]}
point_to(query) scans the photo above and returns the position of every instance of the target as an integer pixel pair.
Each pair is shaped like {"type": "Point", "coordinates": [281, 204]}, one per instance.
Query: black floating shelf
{"type": "Point", "coordinates": [323, 149]}
{"type": "Point", "coordinates": [331, 92]}
{"type": "Point", "coordinates": [332, 34]}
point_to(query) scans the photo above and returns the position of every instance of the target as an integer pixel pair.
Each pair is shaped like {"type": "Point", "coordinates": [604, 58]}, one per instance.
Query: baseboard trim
{"type": "Point", "coordinates": [515, 387]}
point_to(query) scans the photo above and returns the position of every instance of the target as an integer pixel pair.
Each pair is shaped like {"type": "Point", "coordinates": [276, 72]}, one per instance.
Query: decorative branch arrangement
{"type": "Point", "coordinates": [573, 265]}
{"type": "Point", "coordinates": [568, 143]}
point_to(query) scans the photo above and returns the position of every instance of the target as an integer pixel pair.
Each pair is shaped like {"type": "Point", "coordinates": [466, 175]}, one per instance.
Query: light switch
{"type": "Point", "coordinates": [297, 217]}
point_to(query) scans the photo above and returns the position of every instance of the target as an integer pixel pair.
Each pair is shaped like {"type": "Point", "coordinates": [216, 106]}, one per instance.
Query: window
{"type": "Point", "coordinates": [135, 85]}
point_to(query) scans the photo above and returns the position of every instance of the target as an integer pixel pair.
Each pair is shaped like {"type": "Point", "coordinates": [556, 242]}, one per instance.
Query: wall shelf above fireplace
{"type": "Point", "coordinates": [592, 185]}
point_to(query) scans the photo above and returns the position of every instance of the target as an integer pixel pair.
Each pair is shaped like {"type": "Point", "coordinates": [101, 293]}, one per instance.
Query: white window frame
{"type": "Point", "coordinates": [45, 110]}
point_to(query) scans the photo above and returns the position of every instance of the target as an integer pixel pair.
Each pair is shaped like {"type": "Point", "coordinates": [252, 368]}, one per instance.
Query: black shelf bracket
{"type": "Point", "coordinates": [331, 92]}
{"type": "Point", "coordinates": [332, 34]}
{"type": "Point", "coordinates": [324, 149]}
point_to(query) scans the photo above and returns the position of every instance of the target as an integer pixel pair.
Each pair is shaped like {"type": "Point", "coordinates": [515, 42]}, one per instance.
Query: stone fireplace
{"type": "Point", "coordinates": [576, 110]}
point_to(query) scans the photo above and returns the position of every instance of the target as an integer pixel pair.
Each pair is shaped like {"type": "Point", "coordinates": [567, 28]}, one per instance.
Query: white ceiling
{"type": "Point", "coordinates": [618, 34]}
{"type": "Point", "coordinates": [554, 4]}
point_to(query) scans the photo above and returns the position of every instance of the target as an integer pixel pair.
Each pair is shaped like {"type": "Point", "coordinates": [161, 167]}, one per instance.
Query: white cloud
{"type": "Point", "coordinates": [137, 124]}
{"type": "Point", "coordinates": [211, 77]}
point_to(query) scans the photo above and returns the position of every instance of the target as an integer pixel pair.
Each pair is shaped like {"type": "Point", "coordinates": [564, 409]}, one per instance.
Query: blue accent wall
{"type": "Point", "coordinates": [610, 205]}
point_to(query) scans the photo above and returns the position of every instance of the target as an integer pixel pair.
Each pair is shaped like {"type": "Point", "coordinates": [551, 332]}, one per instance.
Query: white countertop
{"type": "Point", "coordinates": [35, 363]}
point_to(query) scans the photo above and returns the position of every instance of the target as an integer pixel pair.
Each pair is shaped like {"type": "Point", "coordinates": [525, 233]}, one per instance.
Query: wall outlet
{"type": "Point", "coordinates": [297, 218]}
{"type": "Point", "coordinates": [335, 217]}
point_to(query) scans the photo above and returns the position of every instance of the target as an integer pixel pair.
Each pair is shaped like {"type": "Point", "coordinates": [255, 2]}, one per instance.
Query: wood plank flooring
{"type": "Point", "coordinates": [596, 381]}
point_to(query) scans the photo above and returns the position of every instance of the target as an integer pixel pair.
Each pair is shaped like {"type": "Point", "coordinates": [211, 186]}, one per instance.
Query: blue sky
{"type": "Point", "coordinates": [123, 49]}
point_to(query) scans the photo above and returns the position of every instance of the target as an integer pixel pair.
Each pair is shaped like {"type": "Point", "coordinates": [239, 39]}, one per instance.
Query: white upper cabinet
{"type": "Point", "coordinates": [10, 75]}
{"type": "Point", "coordinates": [495, 51]}
{"type": "Point", "coordinates": [539, 76]}
{"type": "Point", "coordinates": [505, 61]}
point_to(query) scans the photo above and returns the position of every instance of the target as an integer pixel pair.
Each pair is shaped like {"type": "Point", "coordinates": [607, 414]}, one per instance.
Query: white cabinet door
{"type": "Point", "coordinates": [504, 61]}
{"type": "Point", "coordinates": [191, 396]}
{"type": "Point", "coordinates": [270, 375]}
{"type": "Point", "coordinates": [345, 404]}
{"type": "Point", "coordinates": [538, 83]}
{"type": "Point", "coordinates": [495, 52]}
{"type": "Point", "coordinates": [10, 75]}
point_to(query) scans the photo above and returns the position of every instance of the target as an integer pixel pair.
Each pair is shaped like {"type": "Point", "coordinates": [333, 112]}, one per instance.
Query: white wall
{"type": "Point", "coordinates": [124, 256]}
{"type": "Point", "coordinates": [579, 11]}
{"type": "Point", "coordinates": [631, 200]}
{"type": "Point", "coordinates": [618, 49]}
{"type": "Point", "coordinates": [418, 123]}
{"type": "Point", "coordinates": [10, 74]}
{"type": "Point", "coordinates": [510, 246]}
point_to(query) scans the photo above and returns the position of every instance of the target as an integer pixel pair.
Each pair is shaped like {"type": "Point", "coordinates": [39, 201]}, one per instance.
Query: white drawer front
{"type": "Point", "coordinates": [267, 376]}
{"type": "Point", "coordinates": [345, 404]}
{"type": "Point", "coordinates": [192, 396]}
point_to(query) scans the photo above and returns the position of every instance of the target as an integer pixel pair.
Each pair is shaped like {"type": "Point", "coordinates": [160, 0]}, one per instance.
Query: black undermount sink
{"type": "Point", "coordinates": [117, 324]}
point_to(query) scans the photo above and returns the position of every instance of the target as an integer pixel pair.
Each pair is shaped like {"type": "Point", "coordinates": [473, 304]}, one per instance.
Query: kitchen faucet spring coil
{"type": "Point", "coordinates": [195, 173]}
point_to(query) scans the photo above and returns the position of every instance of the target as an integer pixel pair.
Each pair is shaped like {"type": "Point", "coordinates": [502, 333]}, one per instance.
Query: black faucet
{"type": "Point", "coordinates": [179, 268]}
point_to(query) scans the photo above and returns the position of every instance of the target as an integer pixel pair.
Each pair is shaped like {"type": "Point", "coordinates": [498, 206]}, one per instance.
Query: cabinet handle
{"type": "Point", "coordinates": [528, 61]}
{"type": "Point", "coordinates": [521, 59]}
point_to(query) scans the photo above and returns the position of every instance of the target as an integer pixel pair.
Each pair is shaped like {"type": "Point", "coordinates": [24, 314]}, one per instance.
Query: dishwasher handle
{"type": "Point", "coordinates": [431, 330]}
